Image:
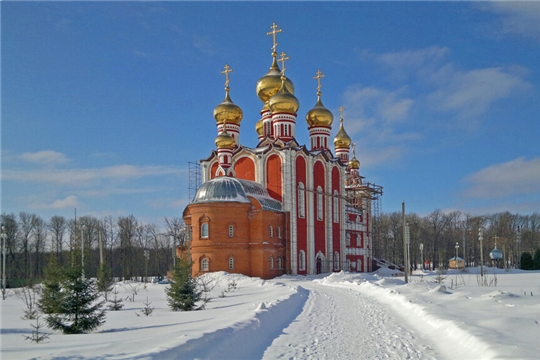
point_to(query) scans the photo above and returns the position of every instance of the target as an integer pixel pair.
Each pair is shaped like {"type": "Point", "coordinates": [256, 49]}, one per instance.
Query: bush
{"type": "Point", "coordinates": [536, 260]}
{"type": "Point", "coordinates": [527, 262]}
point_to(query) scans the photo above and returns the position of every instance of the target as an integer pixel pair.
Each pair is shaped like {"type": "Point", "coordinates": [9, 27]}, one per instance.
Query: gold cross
{"type": "Point", "coordinates": [319, 76]}
{"type": "Point", "coordinates": [284, 58]}
{"type": "Point", "coordinates": [274, 31]}
{"type": "Point", "coordinates": [341, 110]}
{"type": "Point", "coordinates": [353, 149]}
{"type": "Point", "coordinates": [226, 71]}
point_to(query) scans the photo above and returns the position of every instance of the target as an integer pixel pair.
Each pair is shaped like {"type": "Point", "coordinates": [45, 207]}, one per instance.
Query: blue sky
{"type": "Point", "coordinates": [104, 103]}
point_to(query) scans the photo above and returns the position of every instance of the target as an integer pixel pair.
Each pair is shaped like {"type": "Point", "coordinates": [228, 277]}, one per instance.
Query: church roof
{"type": "Point", "coordinates": [231, 189]}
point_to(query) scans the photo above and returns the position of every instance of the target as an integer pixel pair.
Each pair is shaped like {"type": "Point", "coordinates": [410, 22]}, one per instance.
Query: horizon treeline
{"type": "Point", "coordinates": [133, 249]}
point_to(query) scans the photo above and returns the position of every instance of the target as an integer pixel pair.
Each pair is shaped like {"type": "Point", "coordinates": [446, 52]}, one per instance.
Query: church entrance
{"type": "Point", "coordinates": [319, 265]}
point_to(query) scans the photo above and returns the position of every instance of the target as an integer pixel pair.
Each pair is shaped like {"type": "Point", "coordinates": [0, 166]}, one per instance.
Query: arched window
{"type": "Point", "coordinates": [271, 262]}
{"type": "Point", "coordinates": [336, 206]}
{"type": "Point", "coordinates": [359, 265]}
{"type": "Point", "coordinates": [231, 231]}
{"type": "Point", "coordinates": [204, 264]}
{"type": "Point", "coordinates": [271, 230]}
{"type": "Point", "coordinates": [348, 265]}
{"type": "Point", "coordinates": [348, 239]}
{"type": "Point", "coordinates": [279, 263]}
{"type": "Point", "coordinates": [301, 200]}
{"type": "Point", "coordinates": [358, 240]}
{"type": "Point", "coordinates": [231, 263]}
{"type": "Point", "coordinates": [336, 261]}
{"type": "Point", "coordinates": [204, 230]}
{"type": "Point", "coordinates": [279, 232]}
{"type": "Point", "coordinates": [319, 203]}
{"type": "Point", "coordinates": [302, 260]}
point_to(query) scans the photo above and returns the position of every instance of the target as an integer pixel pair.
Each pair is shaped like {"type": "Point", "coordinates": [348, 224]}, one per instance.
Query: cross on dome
{"type": "Point", "coordinates": [319, 76]}
{"type": "Point", "coordinates": [226, 71]}
{"type": "Point", "coordinates": [274, 32]}
{"type": "Point", "coordinates": [341, 110]}
{"type": "Point", "coordinates": [283, 58]}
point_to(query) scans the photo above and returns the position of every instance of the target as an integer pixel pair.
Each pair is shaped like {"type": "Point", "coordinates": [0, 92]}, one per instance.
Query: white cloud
{"type": "Point", "coordinates": [76, 177]}
{"type": "Point", "coordinates": [46, 157]}
{"type": "Point", "coordinates": [517, 17]}
{"type": "Point", "coordinates": [68, 202]}
{"type": "Point", "coordinates": [519, 176]}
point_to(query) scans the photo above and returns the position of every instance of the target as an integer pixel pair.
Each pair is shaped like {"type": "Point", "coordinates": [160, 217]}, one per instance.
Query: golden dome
{"type": "Point", "coordinates": [227, 111]}
{"type": "Point", "coordinates": [354, 163]}
{"type": "Point", "coordinates": [342, 140]}
{"type": "Point", "coordinates": [259, 127]}
{"type": "Point", "coordinates": [224, 140]}
{"type": "Point", "coordinates": [319, 115]}
{"type": "Point", "coordinates": [284, 101]}
{"type": "Point", "coordinates": [269, 84]}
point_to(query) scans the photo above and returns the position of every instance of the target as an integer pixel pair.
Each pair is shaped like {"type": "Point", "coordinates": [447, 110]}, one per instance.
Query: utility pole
{"type": "Point", "coordinates": [405, 257]}
{"type": "Point", "coordinates": [519, 247]}
{"type": "Point", "coordinates": [4, 238]}
{"type": "Point", "coordinates": [481, 238]}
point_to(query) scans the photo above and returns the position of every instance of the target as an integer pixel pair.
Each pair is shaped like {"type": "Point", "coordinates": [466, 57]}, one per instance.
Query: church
{"type": "Point", "coordinates": [280, 207]}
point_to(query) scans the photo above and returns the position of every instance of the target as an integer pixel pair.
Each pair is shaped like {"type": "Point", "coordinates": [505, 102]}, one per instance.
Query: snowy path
{"type": "Point", "coordinates": [352, 326]}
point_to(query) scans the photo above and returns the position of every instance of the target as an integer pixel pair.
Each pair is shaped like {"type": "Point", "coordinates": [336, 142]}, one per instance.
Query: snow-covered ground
{"type": "Point", "coordinates": [337, 316]}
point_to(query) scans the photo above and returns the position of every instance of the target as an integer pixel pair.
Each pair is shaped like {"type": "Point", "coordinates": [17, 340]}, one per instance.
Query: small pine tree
{"type": "Point", "coordinates": [104, 282]}
{"type": "Point", "coordinates": [51, 294]}
{"type": "Point", "coordinates": [37, 334]}
{"type": "Point", "coordinates": [536, 260]}
{"type": "Point", "coordinates": [115, 304]}
{"type": "Point", "coordinates": [527, 262]}
{"type": "Point", "coordinates": [147, 309]}
{"type": "Point", "coordinates": [182, 292]}
{"type": "Point", "coordinates": [80, 311]}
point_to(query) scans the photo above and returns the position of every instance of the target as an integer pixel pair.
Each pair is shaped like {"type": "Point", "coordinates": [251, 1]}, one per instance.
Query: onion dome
{"type": "Point", "coordinates": [342, 140]}
{"type": "Point", "coordinates": [354, 163]}
{"type": "Point", "coordinates": [284, 101]}
{"type": "Point", "coordinates": [269, 84]}
{"type": "Point", "coordinates": [259, 128]}
{"type": "Point", "coordinates": [227, 111]}
{"type": "Point", "coordinates": [496, 254]}
{"type": "Point", "coordinates": [224, 140]}
{"type": "Point", "coordinates": [319, 115]}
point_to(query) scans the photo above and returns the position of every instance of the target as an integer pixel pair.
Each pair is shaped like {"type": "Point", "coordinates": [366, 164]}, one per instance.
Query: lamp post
{"type": "Point", "coordinates": [519, 247]}
{"type": "Point", "coordinates": [147, 257]}
{"type": "Point", "coordinates": [481, 238]}
{"type": "Point", "coordinates": [422, 255]}
{"type": "Point", "coordinates": [82, 251]}
{"type": "Point", "coordinates": [4, 238]}
{"type": "Point", "coordinates": [456, 262]}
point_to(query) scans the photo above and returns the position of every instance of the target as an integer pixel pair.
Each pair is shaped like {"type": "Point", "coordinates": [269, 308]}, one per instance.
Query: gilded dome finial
{"type": "Point", "coordinates": [227, 69]}
{"type": "Point", "coordinates": [283, 58]}
{"type": "Point", "coordinates": [319, 76]}
{"type": "Point", "coordinates": [354, 163]}
{"type": "Point", "coordinates": [342, 139]}
{"type": "Point", "coordinates": [274, 32]}
{"type": "Point", "coordinates": [341, 110]}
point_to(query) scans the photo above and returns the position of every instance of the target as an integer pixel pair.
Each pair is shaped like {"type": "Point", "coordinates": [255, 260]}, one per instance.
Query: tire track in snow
{"type": "Point", "coordinates": [339, 323]}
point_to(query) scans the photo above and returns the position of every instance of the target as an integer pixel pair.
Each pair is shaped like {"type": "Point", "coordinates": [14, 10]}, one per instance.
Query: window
{"type": "Point", "coordinates": [348, 239]}
{"type": "Point", "coordinates": [271, 229]}
{"type": "Point", "coordinates": [279, 263]}
{"type": "Point", "coordinates": [231, 263]}
{"type": "Point", "coordinates": [301, 200]}
{"type": "Point", "coordinates": [358, 240]}
{"type": "Point", "coordinates": [231, 231]}
{"type": "Point", "coordinates": [204, 230]}
{"type": "Point", "coordinates": [302, 265]}
{"type": "Point", "coordinates": [358, 265]}
{"type": "Point", "coordinates": [336, 206]}
{"type": "Point", "coordinates": [204, 264]}
{"type": "Point", "coordinates": [348, 265]}
{"type": "Point", "coordinates": [271, 262]}
{"type": "Point", "coordinates": [279, 232]}
{"type": "Point", "coordinates": [319, 203]}
{"type": "Point", "coordinates": [336, 261]}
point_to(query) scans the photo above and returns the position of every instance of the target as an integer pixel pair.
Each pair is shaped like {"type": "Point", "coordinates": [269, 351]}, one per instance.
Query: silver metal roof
{"type": "Point", "coordinates": [226, 188]}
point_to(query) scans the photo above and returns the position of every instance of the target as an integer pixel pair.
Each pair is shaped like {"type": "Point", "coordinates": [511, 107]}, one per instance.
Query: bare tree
{"type": "Point", "coordinates": [39, 233]}
{"type": "Point", "coordinates": [127, 228]}
{"type": "Point", "coordinates": [57, 227]}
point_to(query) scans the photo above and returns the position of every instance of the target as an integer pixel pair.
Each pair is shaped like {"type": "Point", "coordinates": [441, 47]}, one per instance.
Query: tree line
{"type": "Point", "coordinates": [440, 233]}
{"type": "Point", "coordinates": [128, 247]}
{"type": "Point", "coordinates": [133, 249]}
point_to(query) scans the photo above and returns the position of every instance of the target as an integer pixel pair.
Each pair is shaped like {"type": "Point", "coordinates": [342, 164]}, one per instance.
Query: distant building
{"type": "Point", "coordinates": [456, 263]}
{"type": "Point", "coordinates": [281, 207]}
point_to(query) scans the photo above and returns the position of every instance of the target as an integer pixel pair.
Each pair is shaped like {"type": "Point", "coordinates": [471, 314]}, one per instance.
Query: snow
{"type": "Point", "coordinates": [340, 315]}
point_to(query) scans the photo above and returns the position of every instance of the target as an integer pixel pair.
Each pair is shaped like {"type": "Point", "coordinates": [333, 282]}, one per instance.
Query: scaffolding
{"type": "Point", "coordinates": [195, 179]}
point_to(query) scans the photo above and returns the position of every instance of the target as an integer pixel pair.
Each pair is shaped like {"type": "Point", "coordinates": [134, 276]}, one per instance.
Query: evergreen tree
{"type": "Point", "coordinates": [536, 259]}
{"type": "Point", "coordinates": [104, 282]}
{"type": "Point", "coordinates": [79, 310]}
{"type": "Point", "coordinates": [51, 294]}
{"type": "Point", "coordinates": [527, 262]}
{"type": "Point", "coordinates": [115, 304]}
{"type": "Point", "coordinates": [182, 292]}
